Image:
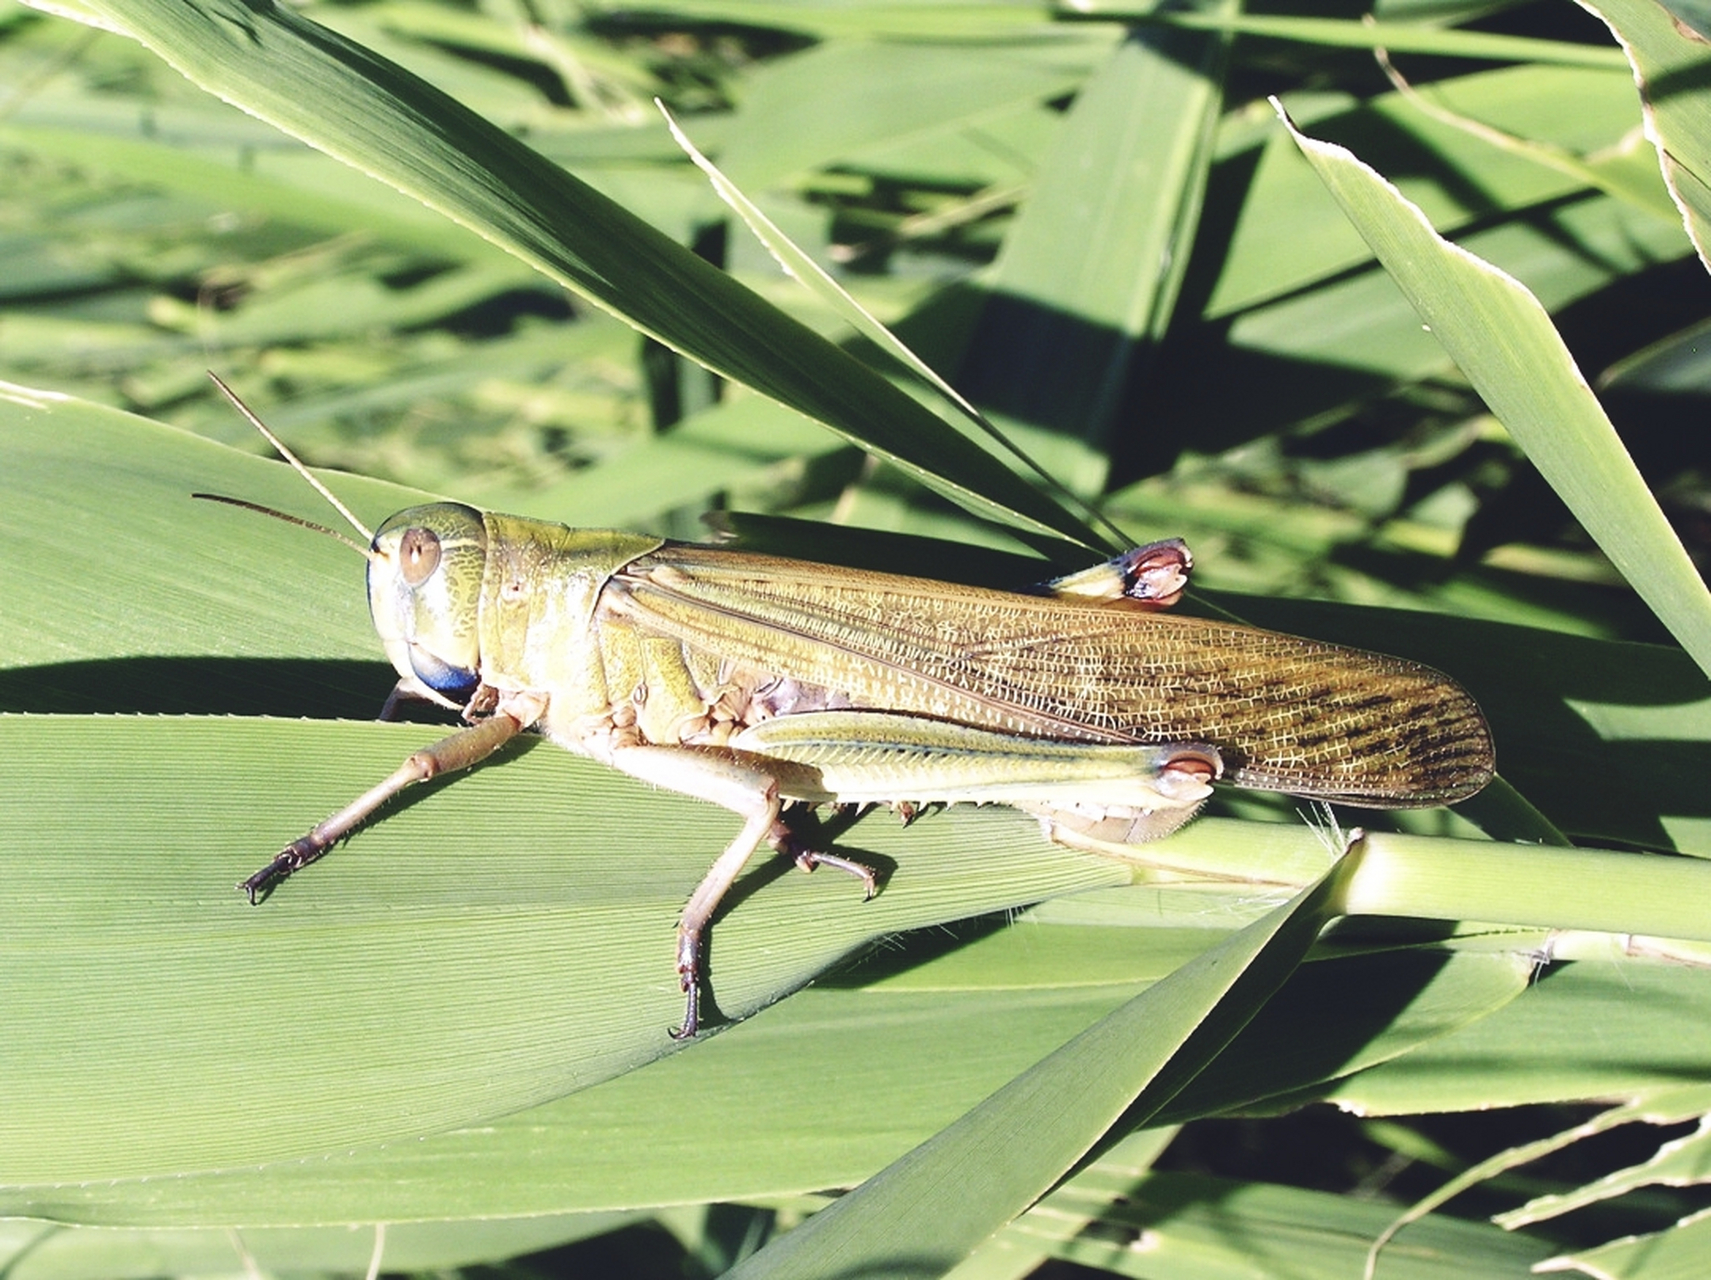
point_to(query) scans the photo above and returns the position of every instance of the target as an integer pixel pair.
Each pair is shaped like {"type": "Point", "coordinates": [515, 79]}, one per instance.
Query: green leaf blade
{"type": "Point", "coordinates": [1504, 342]}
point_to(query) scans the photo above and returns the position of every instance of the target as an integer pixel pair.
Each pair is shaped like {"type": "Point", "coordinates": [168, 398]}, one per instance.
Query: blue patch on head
{"type": "Point", "coordinates": [456, 683]}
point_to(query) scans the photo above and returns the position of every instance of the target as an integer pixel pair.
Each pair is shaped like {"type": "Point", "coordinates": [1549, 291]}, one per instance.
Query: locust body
{"type": "Point", "coordinates": [753, 682]}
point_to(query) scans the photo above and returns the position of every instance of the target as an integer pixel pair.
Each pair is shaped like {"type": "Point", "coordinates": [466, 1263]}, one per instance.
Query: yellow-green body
{"type": "Point", "coordinates": [635, 640]}
{"type": "Point", "coordinates": [753, 681]}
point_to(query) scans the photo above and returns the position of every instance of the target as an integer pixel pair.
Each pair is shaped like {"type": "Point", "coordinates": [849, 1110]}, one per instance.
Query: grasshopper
{"type": "Point", "coordinates": [756, 682]}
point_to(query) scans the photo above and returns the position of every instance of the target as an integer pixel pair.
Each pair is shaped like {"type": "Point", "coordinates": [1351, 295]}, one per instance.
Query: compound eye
{"type": "Point", "coordinates": [418, 555]}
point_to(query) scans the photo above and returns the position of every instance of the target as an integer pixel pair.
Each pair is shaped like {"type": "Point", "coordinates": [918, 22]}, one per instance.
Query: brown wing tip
{"type": "Point", "coordinates": [1461, 759]}
{"type": "Point", "coordinates": [1430, 746]}
{"type": "Point", "coordinates": [1451, 762]}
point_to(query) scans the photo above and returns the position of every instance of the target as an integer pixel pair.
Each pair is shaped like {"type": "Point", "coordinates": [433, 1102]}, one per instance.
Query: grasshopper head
{"type": "Point", "coordinates": [424, 593]}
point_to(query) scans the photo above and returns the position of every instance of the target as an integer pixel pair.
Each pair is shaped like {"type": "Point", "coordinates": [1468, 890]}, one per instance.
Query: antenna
{"type": "Point", "coordinates": [296, 466]}
{"type": "Point", "coordinates": [352, 543]}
